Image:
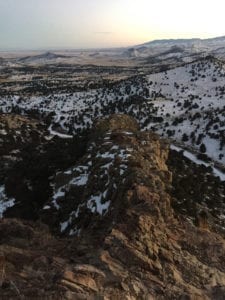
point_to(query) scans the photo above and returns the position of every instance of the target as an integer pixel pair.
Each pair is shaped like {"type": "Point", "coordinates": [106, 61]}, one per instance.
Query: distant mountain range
{"type": "Point", "coordinates": [180, 49]}
{"type": "Point", "coordinates": [171, 42]}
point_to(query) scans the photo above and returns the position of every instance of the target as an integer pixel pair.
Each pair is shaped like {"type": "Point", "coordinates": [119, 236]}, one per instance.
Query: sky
{"type": "Point", "coordinates": [36, 24]}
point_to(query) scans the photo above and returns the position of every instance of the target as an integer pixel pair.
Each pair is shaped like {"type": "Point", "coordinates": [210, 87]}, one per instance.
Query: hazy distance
{"type": "Point", "coordinates": [32, 24]}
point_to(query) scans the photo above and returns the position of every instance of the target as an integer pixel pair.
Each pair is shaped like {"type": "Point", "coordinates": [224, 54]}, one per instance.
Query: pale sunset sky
{"type": "Point", "coordinates": [35, 24]}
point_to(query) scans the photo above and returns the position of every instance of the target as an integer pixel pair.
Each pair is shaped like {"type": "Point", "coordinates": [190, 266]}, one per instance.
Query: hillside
{"type": "Point", "coordinates": [42, 58]}
{"type": "Point", "coordinates": [185, 104]}
{"type": "Point", "coordinates": [191, 103]}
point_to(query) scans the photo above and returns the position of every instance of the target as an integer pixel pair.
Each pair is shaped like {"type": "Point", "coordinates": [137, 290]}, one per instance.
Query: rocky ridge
{"type": "Point", "coordinates": [124, 243]}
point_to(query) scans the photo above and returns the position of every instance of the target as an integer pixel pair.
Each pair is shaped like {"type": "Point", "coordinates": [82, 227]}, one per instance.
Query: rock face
{"type": "Point", "coordinates": [120, 237]}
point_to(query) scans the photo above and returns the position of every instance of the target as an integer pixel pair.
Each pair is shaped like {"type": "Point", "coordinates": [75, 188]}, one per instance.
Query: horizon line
{"type": "Point", "coordinates": [71, 48]}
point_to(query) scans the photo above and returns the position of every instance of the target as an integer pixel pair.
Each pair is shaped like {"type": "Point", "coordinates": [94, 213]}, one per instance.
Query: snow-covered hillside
{"type": "Point", "coordinates": [191, 102]}
{"type": "Point", "coordinates": [186, 104]}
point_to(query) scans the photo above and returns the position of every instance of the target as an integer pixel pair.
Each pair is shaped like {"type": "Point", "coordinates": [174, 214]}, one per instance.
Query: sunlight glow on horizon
{"type": "Point", "coordinates": [104, 23]}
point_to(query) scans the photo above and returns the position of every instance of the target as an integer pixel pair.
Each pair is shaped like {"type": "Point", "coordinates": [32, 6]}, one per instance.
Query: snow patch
{"type": "Point", "coordinates": [197, 161]}
{"type": "Point", "coordinates": [95, 204]}
{"type": "Point", "coordinates": [5, 203]}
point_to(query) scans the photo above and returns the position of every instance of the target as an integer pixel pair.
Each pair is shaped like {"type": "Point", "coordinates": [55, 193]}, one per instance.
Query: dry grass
{"type": "Point", "coordinates": [16, 121]}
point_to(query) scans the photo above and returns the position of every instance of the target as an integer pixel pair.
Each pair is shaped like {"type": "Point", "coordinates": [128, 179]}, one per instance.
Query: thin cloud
{"type": "Point", "coordinates": [103, 32]}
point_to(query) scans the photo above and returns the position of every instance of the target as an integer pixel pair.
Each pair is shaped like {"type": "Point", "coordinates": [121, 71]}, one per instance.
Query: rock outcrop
{"type": "Point", "coordinates": [119, 237]}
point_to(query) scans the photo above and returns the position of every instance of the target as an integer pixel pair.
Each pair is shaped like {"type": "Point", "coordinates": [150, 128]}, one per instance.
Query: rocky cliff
{"type": "Point", "coordinates": [115, 230]}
